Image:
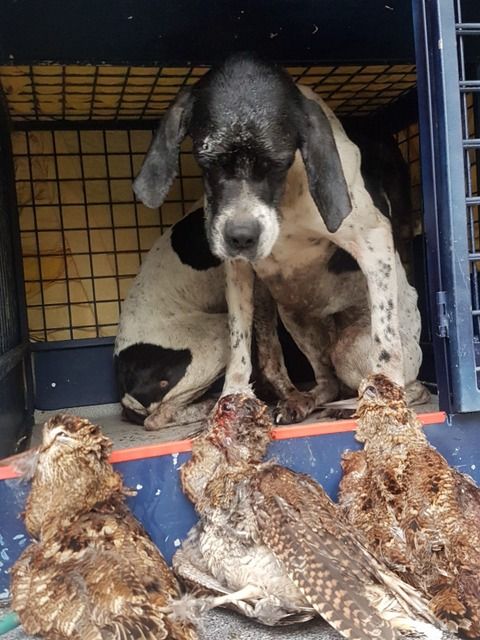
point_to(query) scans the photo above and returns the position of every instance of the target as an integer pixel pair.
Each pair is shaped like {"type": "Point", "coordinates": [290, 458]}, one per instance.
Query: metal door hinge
{"type": "Point", "coordinates": [442, 318]}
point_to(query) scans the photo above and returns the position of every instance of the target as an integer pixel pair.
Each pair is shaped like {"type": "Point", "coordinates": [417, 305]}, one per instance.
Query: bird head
{"type": "Point", "coordinates": [64, 434]}
{"type": "Point", "coordinates": [241, 427]}
{"type": "Point", "coordinates": [382, 409]}
{"type": "Point", "coordinates": [70, 472]}
{"type": "Point", "coordinates": [379, 391]}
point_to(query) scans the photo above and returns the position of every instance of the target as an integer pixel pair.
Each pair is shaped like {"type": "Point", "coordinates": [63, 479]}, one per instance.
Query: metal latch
{"type": "Point", "coordinates": [442, 318]}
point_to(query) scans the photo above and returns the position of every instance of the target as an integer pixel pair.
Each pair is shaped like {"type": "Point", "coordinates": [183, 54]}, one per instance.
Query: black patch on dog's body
{"type": "Point", "coordinates": [189, 241]}
{"type": "Point", "coordinates": [142, 366]}
{"type": "Point", "coordinates": [385, 356]}
{"type": "Point", "coordinates": [342, 262]}
{"type": "Point", "coordinates": [383, 169]}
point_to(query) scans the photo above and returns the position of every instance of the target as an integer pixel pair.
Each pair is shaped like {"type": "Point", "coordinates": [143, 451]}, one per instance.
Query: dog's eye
{"type": "Point", "coordinates": [263, 165]}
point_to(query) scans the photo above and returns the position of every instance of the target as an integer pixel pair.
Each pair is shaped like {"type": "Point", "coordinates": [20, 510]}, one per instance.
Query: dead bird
{"type": "Point", "coordinates": [418, 515]}
{"type": "Point", "coordinates": [92, 573]}
{"type": "Point", "coordinates": [271, 544]}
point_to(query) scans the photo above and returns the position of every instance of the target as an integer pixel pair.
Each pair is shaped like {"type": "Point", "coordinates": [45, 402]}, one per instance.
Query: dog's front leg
{"type": "Point", "coordinates": [239, 290]}
{"type": "Point", "coordinates": [370, 242]}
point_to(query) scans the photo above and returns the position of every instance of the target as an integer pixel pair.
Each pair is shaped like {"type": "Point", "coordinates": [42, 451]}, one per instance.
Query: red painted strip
{"type": "Point", "coordinates": [6, 473]}
{"type": "Point", "coordinates": [340, 426]}
{"type": "Point", "coordinates": [151, 451]}
{"type": "Point", "coordinates": [434, 417]}
{"type": "Point", "coordinates": [279, 433]}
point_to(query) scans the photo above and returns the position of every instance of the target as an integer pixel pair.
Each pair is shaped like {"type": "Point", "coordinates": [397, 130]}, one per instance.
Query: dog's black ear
{"type": "Point", "coordinates": [161, 162]}
{"type": "Point", "coordinates": [326, 179]}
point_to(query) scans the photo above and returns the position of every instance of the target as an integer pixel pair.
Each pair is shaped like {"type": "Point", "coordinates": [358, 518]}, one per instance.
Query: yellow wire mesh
{"type": "Point", "coordinates": [83, 234]}
{"type": "Point", "coordinates": [80, 92]}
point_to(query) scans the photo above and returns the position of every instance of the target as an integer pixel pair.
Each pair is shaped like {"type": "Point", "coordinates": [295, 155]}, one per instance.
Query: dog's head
{"type": "Point", "coordinates": [246, 119]}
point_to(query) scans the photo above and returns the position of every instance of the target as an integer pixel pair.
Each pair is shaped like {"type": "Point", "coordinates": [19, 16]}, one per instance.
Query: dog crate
{"type": "Point", "coordinates": [83, 85]}
{"type": "Point", "coordinates": [83, 89]}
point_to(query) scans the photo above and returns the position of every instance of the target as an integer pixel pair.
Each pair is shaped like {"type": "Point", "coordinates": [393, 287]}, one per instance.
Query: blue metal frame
{"type": "Point", "coordinates": [444, 203]}
{"type": "Point", "coordinates": [74, 373]}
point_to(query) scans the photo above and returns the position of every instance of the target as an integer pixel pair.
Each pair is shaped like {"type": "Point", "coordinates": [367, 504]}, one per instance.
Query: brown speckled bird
{"type": "Point", "coordinates": [93, 573]}
{"type": "Point", "coordinates": [271, 543]}
{"type": "Point", "coordinates": [418, 514]}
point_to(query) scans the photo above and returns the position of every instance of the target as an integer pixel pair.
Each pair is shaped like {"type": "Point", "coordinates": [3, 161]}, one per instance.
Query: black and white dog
{"type": "Point", "coordinates": [284, 194]}
{"type": "Point", "coordinates": [172, 342]}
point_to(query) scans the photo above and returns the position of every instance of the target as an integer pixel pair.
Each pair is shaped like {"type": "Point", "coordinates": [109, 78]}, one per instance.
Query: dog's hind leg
{"type": "Point", "coordinates": [312, 337]}
{"type": "Point", "coordinates": [293, 405]}
{"type": "Point", "coordinates": [164, 393]}
{"type": "Point", "coordinates": [207, 366]}
{"type": "Point", "coordinates": [270, 355]}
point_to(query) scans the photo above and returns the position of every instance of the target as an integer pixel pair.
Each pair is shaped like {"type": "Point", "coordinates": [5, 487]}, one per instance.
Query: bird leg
{"type": "Point", "coordinates": [247, 592]}
{"type": "Point", "coordinates": [198, 579]}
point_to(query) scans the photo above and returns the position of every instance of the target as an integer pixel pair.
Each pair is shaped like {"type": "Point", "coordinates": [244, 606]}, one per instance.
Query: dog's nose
{"type": "Point", "coordinates": [242, 235]}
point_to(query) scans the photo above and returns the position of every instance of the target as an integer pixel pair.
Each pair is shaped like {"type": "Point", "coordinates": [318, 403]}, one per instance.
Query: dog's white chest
{"type": "Point", "coordinates": [298, 276]}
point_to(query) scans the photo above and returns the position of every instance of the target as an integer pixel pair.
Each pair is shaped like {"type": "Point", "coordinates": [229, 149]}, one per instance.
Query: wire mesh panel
{"type": "Point", "coordinates": [408, 143]}
{"type": "Point", "coordinates": [83, 235]}
{"type": "Point", "coordinates": [80, 92]}
{"type": "Point", "coordinates": [81, 135]}
{"type": "Point", "coordinates": [469, 74]}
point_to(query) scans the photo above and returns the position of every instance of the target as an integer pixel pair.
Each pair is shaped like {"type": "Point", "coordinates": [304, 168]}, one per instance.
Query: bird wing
{"type": "Point", "coordinates": [91, 595]}
{"type": "Point", "coordinates": [468, 495]}
{"type": "Point", "coordinates": [115, 526]}
{"type": "Point", "coordinates": [319, 559]}
{"type": "Point", "coordinates": [112, 576]}
{"type": "Point", "coordinates": [136, 549]}
{"type": "Point", "coordinates": [41, 599]}
{"type": "Point", "coordinates": [330, 565]}
{"type": "Point", "coordinates": [445, 542]}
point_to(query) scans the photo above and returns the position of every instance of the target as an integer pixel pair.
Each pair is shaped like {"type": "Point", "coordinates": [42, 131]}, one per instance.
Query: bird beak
{"type": "Point", "coordinates": [58, 435]}
{"type": "Point", "coordinates": [24, 463]}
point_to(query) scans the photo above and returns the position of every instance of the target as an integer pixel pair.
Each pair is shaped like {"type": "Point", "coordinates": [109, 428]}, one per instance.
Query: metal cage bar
{"type": "Point", "coordinates": [16, 382]}
{"type": "Point", "coordinates": [441, 135]}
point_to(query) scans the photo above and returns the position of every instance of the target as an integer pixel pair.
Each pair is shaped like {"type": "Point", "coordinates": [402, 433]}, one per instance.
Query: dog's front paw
{"type": "Point", "coordinates": [157, 421]}
{"type": "Point", "coordinates": [295, 408]}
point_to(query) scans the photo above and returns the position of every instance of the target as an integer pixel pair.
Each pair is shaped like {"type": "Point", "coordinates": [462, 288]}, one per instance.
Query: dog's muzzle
{"type": "Point", "coordinates": [242, 236]}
